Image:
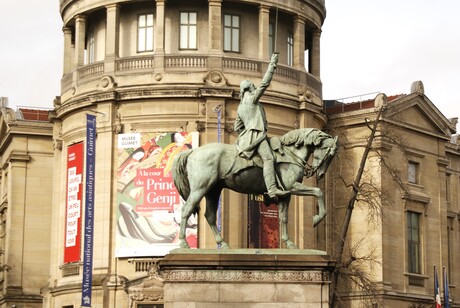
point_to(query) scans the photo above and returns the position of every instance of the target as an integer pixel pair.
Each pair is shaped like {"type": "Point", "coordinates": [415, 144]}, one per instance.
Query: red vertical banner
{"type": "Point", "coordinates": [72, 237]}
{"type": "Point", "coordinates": [263, 224]}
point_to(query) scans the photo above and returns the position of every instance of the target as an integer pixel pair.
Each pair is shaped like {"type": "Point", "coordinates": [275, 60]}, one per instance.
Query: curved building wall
{"type": "Point", "coordinates": [160, 88]}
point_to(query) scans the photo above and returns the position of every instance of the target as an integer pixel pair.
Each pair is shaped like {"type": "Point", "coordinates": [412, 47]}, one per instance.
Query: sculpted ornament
{"type": "Point", "coordinates": [215, 78]}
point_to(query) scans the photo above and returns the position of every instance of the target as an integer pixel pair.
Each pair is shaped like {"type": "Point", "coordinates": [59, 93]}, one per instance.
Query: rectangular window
{"type": "Point", "coordinates": [271, 38]}
{"type": "Point", "coordinates": [290, 49]}
{"type": "Point", "coordinates": [188, 30]}
{"type": "Point", "coordinates": [231, 33]}
{"type": "Point", "coordinates": [412, 172]}
{"type": "Point", "coordinates": [145, 33]}
{"type": "Point", "coordinates": [413, 242]}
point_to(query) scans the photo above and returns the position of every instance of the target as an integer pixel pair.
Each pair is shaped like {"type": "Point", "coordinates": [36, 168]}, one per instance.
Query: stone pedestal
{"type": "Point", "coordinates": [246, 278]}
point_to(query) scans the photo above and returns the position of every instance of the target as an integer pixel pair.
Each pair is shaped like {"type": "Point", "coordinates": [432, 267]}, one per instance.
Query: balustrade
{"type": "Point", "coordinates": [241, 64]}
{"type": "Point", "coordinates": [191, 63]}
{"type": "Point", "coordinates": [135, 63]}
{"type": "Point", "coordinates": [186, 61]}
{"type": "Point", "coordinates": [91, 70]}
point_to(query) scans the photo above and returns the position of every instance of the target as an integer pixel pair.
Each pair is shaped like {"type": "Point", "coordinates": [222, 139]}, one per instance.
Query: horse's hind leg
{"type": "Point", "coordinates": [212, 204]}
{"type": "Point", "coordinates": [190, 207]}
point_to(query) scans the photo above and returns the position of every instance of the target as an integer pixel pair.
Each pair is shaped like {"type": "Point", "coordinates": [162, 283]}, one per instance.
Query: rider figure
{"type": "Point", "coordinates": [251, 126]}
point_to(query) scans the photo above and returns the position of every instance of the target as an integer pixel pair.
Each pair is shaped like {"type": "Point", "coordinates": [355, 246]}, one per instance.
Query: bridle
{"type": "Point", "coordinates": [311, 169]}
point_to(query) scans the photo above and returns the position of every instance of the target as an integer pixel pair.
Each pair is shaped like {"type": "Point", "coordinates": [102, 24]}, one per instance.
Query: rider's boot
{"type": "Point", "coordinates": [272, 190]}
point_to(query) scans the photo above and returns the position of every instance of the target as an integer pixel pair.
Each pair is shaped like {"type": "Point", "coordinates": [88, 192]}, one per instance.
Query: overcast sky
{"type": "Point", "coordinates": [367, 46]}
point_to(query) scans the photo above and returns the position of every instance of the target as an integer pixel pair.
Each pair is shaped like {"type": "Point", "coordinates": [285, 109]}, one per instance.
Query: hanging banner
{"type": "Point", "coordinates": [148, 204]}
{"type": "Point", "coordinates": [87, 281]}
{"type": "Point", "coordinates": [263, 223]}
{"type": "Point", "coordinates": [72, 236]}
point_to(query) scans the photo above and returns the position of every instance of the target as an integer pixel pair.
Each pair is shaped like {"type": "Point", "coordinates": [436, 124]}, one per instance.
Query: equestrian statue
{"type": "Point", "coordinates": [257, 164]}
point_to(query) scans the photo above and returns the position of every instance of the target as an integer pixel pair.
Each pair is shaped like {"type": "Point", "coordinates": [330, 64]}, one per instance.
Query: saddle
{"type": "Point", "coordinates": [278, 150]}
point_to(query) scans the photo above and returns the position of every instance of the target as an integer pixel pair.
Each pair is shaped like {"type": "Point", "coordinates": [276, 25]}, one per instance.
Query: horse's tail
{"type": "Point", "coordinates": [179, 174]}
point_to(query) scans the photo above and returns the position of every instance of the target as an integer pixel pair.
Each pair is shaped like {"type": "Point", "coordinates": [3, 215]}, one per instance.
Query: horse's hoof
{"type": "Point", "coordinates": [184, 244]}
{"type": "Point", "coordinates": [291, 245]}
{"type": "Point", "coordinates": [317, 219]}
{"type": "Point", "coordinates": [224, 245]}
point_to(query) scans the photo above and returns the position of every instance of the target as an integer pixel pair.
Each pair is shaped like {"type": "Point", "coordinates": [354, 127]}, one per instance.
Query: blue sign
{"type": "Point", "coordinates": [87, 282]}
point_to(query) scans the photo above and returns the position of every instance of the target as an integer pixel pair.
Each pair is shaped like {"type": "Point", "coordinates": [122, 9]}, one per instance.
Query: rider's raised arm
{"type": "Point", "coordinates": [267, 77]}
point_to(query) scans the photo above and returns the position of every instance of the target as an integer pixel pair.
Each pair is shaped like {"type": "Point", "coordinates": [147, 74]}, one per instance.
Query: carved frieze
{"type": "Point", "coordinates": [245, 276]}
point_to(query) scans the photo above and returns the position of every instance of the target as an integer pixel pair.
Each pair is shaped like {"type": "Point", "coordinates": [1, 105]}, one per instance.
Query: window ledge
{"type": "Point", "coordinates": [417, 280]}
{"type": "Point", "coordinates": [417, 196]}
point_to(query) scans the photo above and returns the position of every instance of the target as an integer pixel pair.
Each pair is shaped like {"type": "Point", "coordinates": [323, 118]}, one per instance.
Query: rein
{"type": "Point", "coordinates": [309, 169]}
{"type": "Point", "coordinates": [297, 160]}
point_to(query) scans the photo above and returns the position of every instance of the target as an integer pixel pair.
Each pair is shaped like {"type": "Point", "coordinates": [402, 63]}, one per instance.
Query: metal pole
{"type": "Point", "coordinates": [276, 28]}
{"type": "Point", "coordinates": [218, 109]}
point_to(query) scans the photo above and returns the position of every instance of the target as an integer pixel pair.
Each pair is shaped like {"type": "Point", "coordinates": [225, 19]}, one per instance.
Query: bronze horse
{"type": "Point", "coordinates": [205, 171]}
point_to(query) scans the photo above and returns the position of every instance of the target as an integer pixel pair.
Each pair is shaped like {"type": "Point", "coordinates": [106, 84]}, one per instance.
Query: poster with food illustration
{"type": "Point", "coordinates": [148, 204]}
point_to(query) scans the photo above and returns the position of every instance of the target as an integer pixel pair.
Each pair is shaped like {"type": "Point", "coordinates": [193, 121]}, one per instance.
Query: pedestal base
{"type": "Point", "coordinates": [246, 278]}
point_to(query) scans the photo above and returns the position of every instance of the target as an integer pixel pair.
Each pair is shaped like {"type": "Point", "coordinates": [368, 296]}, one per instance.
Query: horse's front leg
{"type": "Point", "coordinates": [303, 190]}
{"type": "Point", "coordinates": [321, 210]}
{"type": "Point", "coordinates": [283, 209]}
{"type": "Point", "coordinates": [188, 209]}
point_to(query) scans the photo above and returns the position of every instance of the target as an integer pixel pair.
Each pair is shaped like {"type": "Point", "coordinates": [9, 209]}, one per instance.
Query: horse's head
{"type": "Point", "coordinates": [323, 155]}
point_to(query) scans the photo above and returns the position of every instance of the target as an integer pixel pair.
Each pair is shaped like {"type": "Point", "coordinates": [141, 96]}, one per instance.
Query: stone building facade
{"type": "Point", "coordinates": [406, 219]}
{"type": "Point", "coordinates": [26, 155]}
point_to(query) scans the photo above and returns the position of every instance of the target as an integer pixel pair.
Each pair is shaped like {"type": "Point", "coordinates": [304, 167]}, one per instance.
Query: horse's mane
{"type": "Point", "coordinates": [304, 136]}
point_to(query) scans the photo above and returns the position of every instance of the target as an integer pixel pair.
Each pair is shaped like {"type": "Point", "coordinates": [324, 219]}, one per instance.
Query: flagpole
{"type": "Point", "coordinates": [446, 287]}
{"type": "Point", "coordinates": [437, 296]}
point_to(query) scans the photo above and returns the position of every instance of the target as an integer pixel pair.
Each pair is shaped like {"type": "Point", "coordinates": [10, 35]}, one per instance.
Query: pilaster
{"type": "Point", "coordinates": [112, 37]}
{"type": "Point", "coordinates": [103, 246]}
{"type": "Point", "coordinates": [17, 165]}
{"type": "Point", "coordinates": [215, 26]}
{"type": "Point", "coordinates": [215, 34]}
{"type": "Point", "coordinates": [159, 39]}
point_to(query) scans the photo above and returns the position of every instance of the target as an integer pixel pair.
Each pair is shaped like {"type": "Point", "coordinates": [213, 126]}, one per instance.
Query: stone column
{"type": "Point", "coordinates": [299, 42]}
{"type": "Point", "coordinates": [112, 37]}
{"type": "Point", "coordinates": [315, 53]}
{"type": "Point", "coordinates": [80, 29]}
{"type": "Point", "coordinates": [264, 23]}
{"type": "Point", "coordinates": [68, 50]}
{"type": "Point", "coordinates": [159, 38]}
